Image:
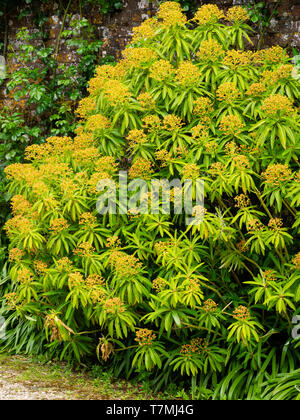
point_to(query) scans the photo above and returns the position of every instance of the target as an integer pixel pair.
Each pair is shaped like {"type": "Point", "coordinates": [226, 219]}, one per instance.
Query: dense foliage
{"type": "Point", "coordinates": [146, 292]}
{"type": "Point", "coordinates": [42, 91]}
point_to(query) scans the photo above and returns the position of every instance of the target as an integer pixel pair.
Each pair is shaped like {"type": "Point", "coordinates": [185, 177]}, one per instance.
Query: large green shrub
{"type": "Point", "coordinates": [147, 292]}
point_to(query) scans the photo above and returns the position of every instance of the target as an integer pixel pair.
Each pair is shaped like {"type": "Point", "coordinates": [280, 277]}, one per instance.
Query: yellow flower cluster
{"type": "Point", "coordinates": [275, 223]}
{"type": "Point", "coordinates": [187, 74]}
{"type": "Point", "coordinates": [94, 280]}
{"type": "Point", "coordinates": [58, 225]}
{"type": "Point", "coordinates": [216, 169]}
{"type": "Point", "coordinates": [277, 104]}
{"type": "Point", "coordinates": [296, 260]}
{"type": "Point", "coordinates": [114, 306]}
{"type": "Point", "coordinates": [242, 201]}
{"type": "Point", "coordinates": [113, 242]}
{"type": "Point", "coordinates": [202, 106]}
{"type": "Point", "coordinates": [210, 50]}
{"type": "Point", "coordinates": [170, 14]}
{"type": "Point", "coordinates": [269, 275]}
{"type": "Point", "coordinates": [106, 164]}
{"type": "Point", "coordinates": [237, 14]}
{"type": "Point", "coordinates": [11, 299]}
{"type": "Point", "coordinates": [227, 92]}
{"type": "Point", "coordinates": [85, 157]}
{"type": "Point", "coordinates": [16, 254]}
{"type": "Point", "coordinates": [200, 131]}
{"type": "Point", "coordinates": [145, 31]}
{"type": "Point", "coordinates": [241, 313]}
{"type": "Point", "coordinates": [22, 172]}
{"type": "Point", "coordinates": [159, 284]}
{"type": "Point", "coordinates": [138, 57]}
{"type": "Point", "coordinates": [25, 276]}
{"type": "Point", "coordinates": [197, 345]}
{"type": "Point", "coordinates": [231, 125]}
{"type": "Point", "coordinates": [209, 305]}
{"type": "Point", "coordinates": [146, 101]}
{"type": "Point", "coordinates": [88, 220]}
{"type": "Point", "coordinates": [40, 267]}
{"type": "Point", "coordinates": [125, 265]}
{"type": "Point", "coordinates": [162, 70]}
{"type": "Point", "coordinates": [256, 89]}
{"type": "Point", "coordinates": [208, 13]}
{"type": "Point", "coordinates": [64, 265]}
{"type": "Point", "coordinates": [236, 58]}
{"type": "Point", "coordinates": [241, 162]}
{"type": "Point", "coordinates": [85, 249]}
{"type": "Point", "coordinates": [19, 224]}
{"type": "Point", "coordinates": [141, 168]}
{"type": "Point", "coordinates": [97, 122]}
{"type": "Point", "coordinates": [145, 337]}
{"type": "Point", "coordinates": [19, 205]}
{"type": "Point", "coordinates": [136, 137]}
{"type": "Point", "coordinates": [86, 106]}
{"type": "Point", "coordinates": [254, 225]}
{"type": "Point", "coordinates": [104, 74]}
{"type": "Point", "coordinates": [276, 174]}
{"type": "Point", "coordinates": [163, 156]}
{"type": "Point", "coordinates": [190, 171]}
{"type": "Point", "coordinates": [152, 122]}
{"type": "Point", "coordinates": [172, 122]}
{"type": "Point", "coordinates": [116, 92]}
{"type": "Point", "coordinates": [75, 280]}
{"type": "Point", "coordinates": [274, 55]}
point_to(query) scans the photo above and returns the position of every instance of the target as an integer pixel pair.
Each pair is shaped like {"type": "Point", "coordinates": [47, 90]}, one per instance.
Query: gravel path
{"type": "Point", "coordinates": [12, 388]}
{"type": "Point", "coordinates": [22, 378]}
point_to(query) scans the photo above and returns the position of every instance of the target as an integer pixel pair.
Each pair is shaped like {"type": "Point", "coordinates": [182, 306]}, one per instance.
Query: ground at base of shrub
{"type": "Point", "coordinates": [24, 378]}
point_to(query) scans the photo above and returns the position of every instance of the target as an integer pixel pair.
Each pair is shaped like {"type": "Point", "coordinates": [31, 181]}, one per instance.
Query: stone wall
{"type": "Point", "coordinates": [116, 28]}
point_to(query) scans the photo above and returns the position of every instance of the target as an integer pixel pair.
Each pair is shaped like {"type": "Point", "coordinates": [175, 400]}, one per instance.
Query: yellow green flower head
{"type": "Point", "coordinates": [274, 55]}
{"type": "Point", "coordinates": [145, 31]}
{"type": "Point", "coordinates": [146, 101]}
{"type": "Point", "coordinates": [58, 225]}
{"type": "Point", "coordinates": [276, 174]}
{"type": "Point", "coordinates": [208, 13]}
{"type": "Point", "coordinates": [162, 70]}
{"type": "Point", "coordinates": [210, 50]}
{"type": "Point", "coordinates": [296, 260]}
{"type": "Point", "coordinates": [97, 122]}
{"type": "Point", "coordinates": [145, 337]}
{"type": "Point", "coordinates": [75, 280]}
{"type": "Point", "coordinates": [275, 223]}
{"type": "Point", "coordinates": [236, 58]}
{"type": "Point", "coordinates": [20, 205]}
{"type": "Point", "coordinates": [86, 106]}
{"type": "Point", "coordinates": [141, 168]}
{"type": "Point", "coordinates": [172, 122]}
{"type": "Point", "coordinates": [114, 306]}
{"type": "Point", "coordinates": [136, 137]}
{"type": "Point", "coordinates": [227, 92]}
{"type": "Point", "coordinates": [231, 125]}
{"type": "Point", "coordinates": [203, 106]}
{"type": "Point", "coordinates": [25, 275]}
{"type": "Point", "coordinates": [137, 57]}
{"type": "Point", "coordinates": [256, 89]}
{"type": "Point", "coordinates": [170, 14]}
{"type": "Point", "coordinates": [237, 14]}
{"type": "Point", "coordinates": [187, 74]}
{"type": "Point", "coordinates": [117, 93]}
{"type": "Point", "coordinates": [190, 171]}
{"type": "Point", "coordinates": [241, 313]}
{"type": "Point", "coordinates": [277, 105]}
{"type": "Point", "coordinates": [16, 254]}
